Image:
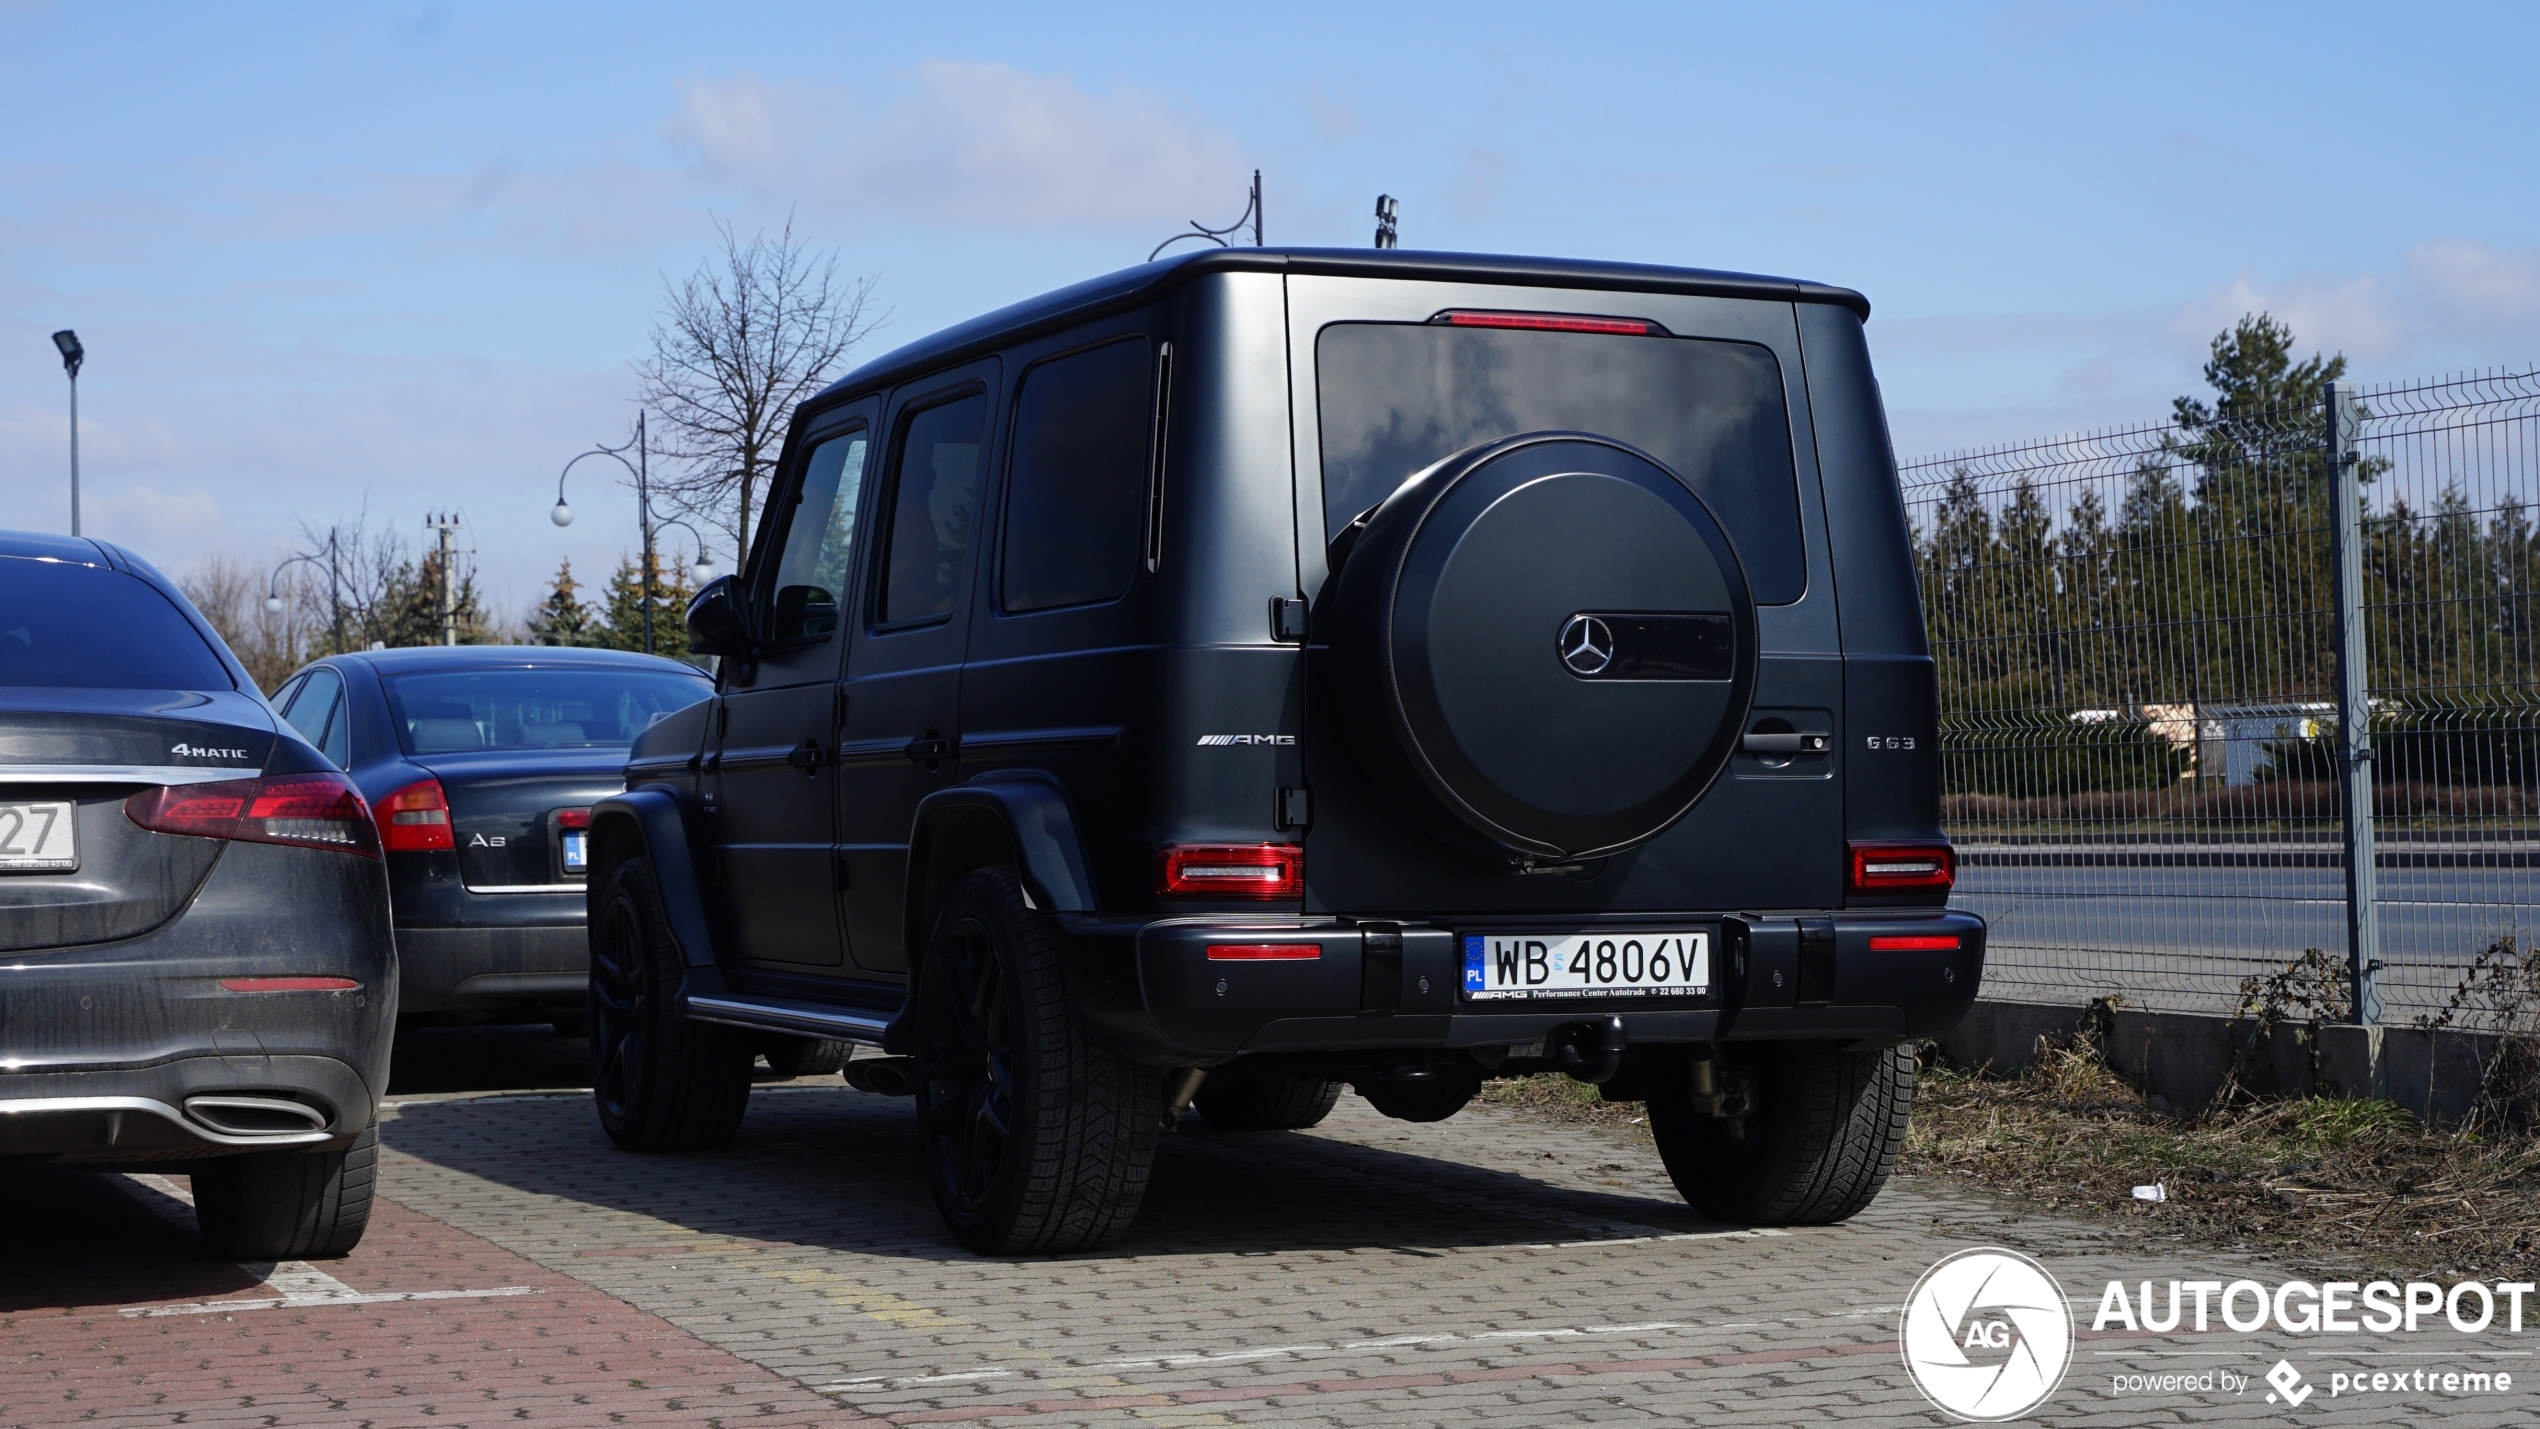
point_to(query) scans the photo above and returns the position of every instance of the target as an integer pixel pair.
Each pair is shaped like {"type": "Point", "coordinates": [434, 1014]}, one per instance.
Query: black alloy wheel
{"type": "Point", "coordinates": [968, 1066]}
{"type": "Point", "coordinates": [659, 1081]}
{"type": "Point", "coordinates": [1037, 1138]}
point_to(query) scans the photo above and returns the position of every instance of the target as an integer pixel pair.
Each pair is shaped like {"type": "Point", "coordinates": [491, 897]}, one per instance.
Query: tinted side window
{"type": "Point", "coordinates": [75, 626]}
{"type": "Point", "coordinates": [934, 498]}
{"type": "Point", "coordinates": [812, 572]}
{"type": "Point", "coordinates": [318, 713]}
{"type": "Point", "coordinates": [1395, 397]}
{"type": "Point", "coordinates": [1075, 504]}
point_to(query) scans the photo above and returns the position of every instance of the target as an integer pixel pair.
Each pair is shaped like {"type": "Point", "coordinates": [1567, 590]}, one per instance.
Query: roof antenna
{"type": "Point", "coordinates": [1384, 221]}
{"type": "Point", "coordinates": [1251, 214]}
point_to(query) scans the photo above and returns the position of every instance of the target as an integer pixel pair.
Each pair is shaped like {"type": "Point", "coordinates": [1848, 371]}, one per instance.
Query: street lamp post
{"type": "Point", "coordinates": [334, 587]}
{"type": "Point", "coordinates": [72, 356]}
{"type": "Point", "coordinates": [641, 469]}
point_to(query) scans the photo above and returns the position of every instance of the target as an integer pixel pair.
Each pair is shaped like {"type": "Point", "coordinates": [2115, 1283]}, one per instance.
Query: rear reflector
{"type": "Point", "coordinates": [1551, 322]}
{"type": "Point", "coordinates": [289, 984]}
{"type": "Point", "coordinates": [1887, 868]}
{"type": "Point", "coordinates": [1231, 871]}
{"type": "Point", "coordinates": [1913, 942]}
{"type": "Point", "coordinates": [311, 810]}
{"type": "Point", "coordinates": [416, 818]}
{"type": "Point", "coordinates": [573, 818]}
{"type": "Point", "coordinates": [1264, 952]}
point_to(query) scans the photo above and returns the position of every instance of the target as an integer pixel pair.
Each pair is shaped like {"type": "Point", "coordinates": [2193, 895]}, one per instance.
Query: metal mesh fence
{"type": "Point", "coordinates": [2136, 639]}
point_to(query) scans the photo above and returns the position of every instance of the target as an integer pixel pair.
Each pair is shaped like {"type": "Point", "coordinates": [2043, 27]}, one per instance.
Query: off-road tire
{"type": "Point", "coordinates": [1819, 1144]}
{"type": "Point", "coordinates": [804, 1056]}
{"type": "Point", "coordinates": [287, 1205]}
{"type": "Point", "coordinates": [659, 1081]}
{"type": "Point", "coordinates": [1037, 1137]}
{"type": "Point", "coordinates": [1266, 1103]}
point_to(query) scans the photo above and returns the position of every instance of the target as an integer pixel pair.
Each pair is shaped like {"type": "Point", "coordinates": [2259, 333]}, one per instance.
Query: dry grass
{"type": "Point", "coordinates": [2349, 1183]}
{"type": "Point", "coordinates": [1554, 1096]}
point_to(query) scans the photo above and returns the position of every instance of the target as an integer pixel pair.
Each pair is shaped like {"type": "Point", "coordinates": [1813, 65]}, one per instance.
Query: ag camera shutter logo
{"type": "Point", "coordinates": [1986, 1334]}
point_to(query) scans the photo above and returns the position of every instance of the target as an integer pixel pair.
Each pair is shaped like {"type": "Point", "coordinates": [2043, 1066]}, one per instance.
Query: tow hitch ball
{"type": "Point", "coordinates": [1590, 1051]}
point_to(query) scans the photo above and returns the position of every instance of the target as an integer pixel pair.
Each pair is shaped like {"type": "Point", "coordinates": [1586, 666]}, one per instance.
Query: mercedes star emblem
{"type": "Point", "coordinates": [1587, 646]}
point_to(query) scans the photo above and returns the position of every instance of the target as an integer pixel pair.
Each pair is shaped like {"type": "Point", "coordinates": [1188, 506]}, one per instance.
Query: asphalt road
{"type": "Point", "coordinates": [2182, 938]}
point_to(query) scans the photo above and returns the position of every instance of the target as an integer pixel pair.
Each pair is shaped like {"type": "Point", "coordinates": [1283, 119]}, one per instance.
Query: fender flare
{"type": "Point", "coordinates": [650, 819]}
{"type": "Point", "coordinates": [1031, 817]}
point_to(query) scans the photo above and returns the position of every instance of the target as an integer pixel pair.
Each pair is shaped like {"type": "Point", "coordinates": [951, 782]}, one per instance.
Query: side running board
{"type": "Point", "coordinates": [777, 1014]}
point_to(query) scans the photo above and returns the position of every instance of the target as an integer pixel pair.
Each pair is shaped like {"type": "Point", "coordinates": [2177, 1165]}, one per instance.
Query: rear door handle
{"type": "Point", "coordinates": [1798, 741]}
{"type": "Point", "coordinates": [929, 749]}
{"type": "Point", "coordinates": [806, 756]}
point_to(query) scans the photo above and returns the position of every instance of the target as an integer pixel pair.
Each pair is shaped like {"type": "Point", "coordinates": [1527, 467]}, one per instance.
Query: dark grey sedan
{"type": "Point", "coordinates": [196, 969]}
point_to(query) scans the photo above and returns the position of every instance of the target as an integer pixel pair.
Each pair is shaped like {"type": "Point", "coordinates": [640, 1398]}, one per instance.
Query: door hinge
{"type": "Point", "coordinates": [1296, 809]}
{"type": "Point", "coordinates": [1287, 620]}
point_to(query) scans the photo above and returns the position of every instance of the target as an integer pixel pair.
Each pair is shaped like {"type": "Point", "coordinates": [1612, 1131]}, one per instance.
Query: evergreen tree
{"type": "Point", "coordinates": [622, 607]}
{"type": "Point", "coordinates": [563, 619]}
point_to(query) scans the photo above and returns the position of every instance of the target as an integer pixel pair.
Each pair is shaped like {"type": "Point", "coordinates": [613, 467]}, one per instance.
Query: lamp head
{"type": "Point", "coordinates": [704, 568]}
{"type": "Point", "coordinates": [72, 352]}
{"type": "Point", "coordinates": [273, 605]}
{"type": "Point", "coordinates": [562, 515]}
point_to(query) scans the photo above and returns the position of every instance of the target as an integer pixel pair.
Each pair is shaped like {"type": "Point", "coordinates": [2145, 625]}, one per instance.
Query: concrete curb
{"type": "Point", "coordinates": [2184, 1057]}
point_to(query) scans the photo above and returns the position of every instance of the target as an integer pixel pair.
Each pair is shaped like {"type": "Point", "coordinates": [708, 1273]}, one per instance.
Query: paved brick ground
{"type": "Point", "coordinates": [1482, 1271]}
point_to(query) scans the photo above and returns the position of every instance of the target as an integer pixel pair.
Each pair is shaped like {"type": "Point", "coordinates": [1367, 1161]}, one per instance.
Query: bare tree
{"type": "Point", "coordinates": [753, 331]}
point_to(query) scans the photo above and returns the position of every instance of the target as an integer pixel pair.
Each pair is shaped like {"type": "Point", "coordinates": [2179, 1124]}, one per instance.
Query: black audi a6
{"type": "Point", "coordinates": [195, 961]}
{"type": "Point", "coordinates": [482, 762]}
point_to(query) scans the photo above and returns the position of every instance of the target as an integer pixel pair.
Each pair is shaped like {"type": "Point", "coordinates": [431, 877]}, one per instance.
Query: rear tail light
{"type": "Point", "coordinates": [1889, 868]}
{"type": "Point", "coordinates": [1264, 952]}
{"type": "Point", "coordinates": [573, 818]}
{"type": "Point", "coordinates": [416, 818]}
{"type": "Point", "coordinates": [311, 810]}
{"type": "Point", "coordinates": [1913, 942]}
{"type": "Point", "coordinates": [1232, 871]}
{"type": "Point", "coordinates": [1551, 322]}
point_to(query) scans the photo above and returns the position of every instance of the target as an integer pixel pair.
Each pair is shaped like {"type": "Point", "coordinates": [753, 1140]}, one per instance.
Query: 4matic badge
{"type": "Point", "coordinates": [184, 750]}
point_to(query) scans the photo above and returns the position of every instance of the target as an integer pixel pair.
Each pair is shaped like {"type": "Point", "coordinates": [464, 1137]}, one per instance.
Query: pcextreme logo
{"type": "Point", "coordinates": [1986, 1334]}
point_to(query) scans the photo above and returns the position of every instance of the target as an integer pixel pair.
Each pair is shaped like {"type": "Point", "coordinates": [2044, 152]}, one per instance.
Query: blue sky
{"type": "Point", "coordinates": [402, 253]}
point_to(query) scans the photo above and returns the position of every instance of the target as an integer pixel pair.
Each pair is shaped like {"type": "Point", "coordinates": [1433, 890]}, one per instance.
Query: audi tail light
{"type": "Point", "coordinates": [1551, 322]}
{"type": "Point", "coordinates": [573, 818]}
{"type": "Point", "coordinates": [310, 810]}
{"type": "Point", "coordinates": [1901, 867]}
{"type": "Point", "coordinates": [416, 819]}
{"type": "Point", "coordinates": [1267, 871]}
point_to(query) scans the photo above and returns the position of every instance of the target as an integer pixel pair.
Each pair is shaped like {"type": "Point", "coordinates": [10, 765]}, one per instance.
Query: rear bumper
{"type": "Point", "coordinates": [107, 1049]}
{"type": "Point", "coordinates": [1156, 995]}
{"type": "Point", "coordinates": [481, 969]}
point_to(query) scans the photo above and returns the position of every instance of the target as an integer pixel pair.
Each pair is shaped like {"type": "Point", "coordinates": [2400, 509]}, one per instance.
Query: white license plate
{"type": "Point", "coordinates": [577, 856]}
{"type": "Point", "coordinates": [1667, 963]}
{"type": "Point", "coordinates": [38, 838]}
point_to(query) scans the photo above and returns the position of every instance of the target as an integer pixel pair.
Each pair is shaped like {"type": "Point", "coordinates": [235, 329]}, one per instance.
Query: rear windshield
{"type": "Point", "coordinates": [1394, 397]}
{"type": "Point", "coordinates": [454, 710]}
{"type": "Point", "coordinates": [79, 626]}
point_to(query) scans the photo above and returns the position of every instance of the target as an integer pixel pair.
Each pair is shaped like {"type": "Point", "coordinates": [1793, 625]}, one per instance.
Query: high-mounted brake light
{"type": "Point", "coordinates": [1264, 952]}
{"type": "Point", "coordinates": [1551, 322]}
{"type": "Point", "coordinates": [1888, 868]}
{"type": "Point", "coordinates": [311, 810]}
{"type": "Point", "coordinates": [1913, 942]}
{"type": "Point", "coordinates": [1231, 871]}
{"type": "Point", "coordinates": [416, 818]}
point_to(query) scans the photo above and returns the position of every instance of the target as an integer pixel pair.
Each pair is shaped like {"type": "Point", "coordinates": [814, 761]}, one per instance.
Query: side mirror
{"type": "Point", "coordinates": [717, 625]}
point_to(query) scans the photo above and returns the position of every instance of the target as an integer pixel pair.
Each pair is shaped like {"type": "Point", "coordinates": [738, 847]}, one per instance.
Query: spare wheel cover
{"type": "Point", "coordinates": [1567, 641]}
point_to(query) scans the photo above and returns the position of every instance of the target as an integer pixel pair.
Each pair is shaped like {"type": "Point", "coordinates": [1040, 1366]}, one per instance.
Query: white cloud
{"type": "Point", "coordinates": [963, 143]}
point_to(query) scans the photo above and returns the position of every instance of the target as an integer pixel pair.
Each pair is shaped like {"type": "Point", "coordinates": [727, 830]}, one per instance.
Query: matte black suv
{"type": "Point", "coordinates": [1270, 670]}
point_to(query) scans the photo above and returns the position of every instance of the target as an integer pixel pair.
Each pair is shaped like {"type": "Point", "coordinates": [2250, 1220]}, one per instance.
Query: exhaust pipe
{"type": "Point", "coordinates": [883, 1076]}
{"type": "Point", "coordinates": [255, 1116]}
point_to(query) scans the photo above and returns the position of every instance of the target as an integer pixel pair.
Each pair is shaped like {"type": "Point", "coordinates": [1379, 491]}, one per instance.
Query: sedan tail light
{"type": "Point", "coordinates": [1899, 867]}
{"type": "Point", "coordinates": [1265, 871]}
{"type": "Point", "coordinates": [416, 818]}
{"type": "Point", "coordinates": [311, 810]}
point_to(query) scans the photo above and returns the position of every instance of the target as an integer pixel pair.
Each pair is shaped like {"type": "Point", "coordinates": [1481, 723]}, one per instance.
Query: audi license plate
{"type": "Point", "coordinates": [38, 838]}
{"type": "Point", "coordinates": [577, 855]}
{"type": "Point", "coordinates": [1667, 963]}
